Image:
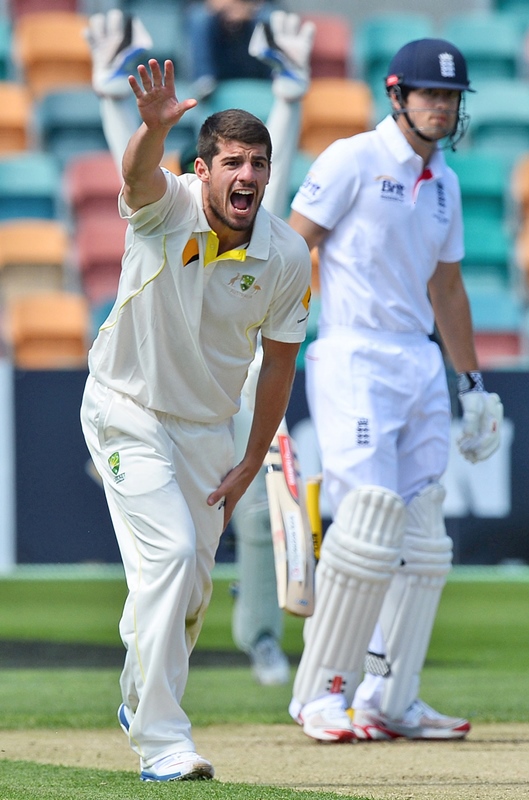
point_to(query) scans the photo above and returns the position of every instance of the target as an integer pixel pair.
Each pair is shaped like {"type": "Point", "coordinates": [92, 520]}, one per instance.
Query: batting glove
{"type": "Point", "coordinates": [116, 40]}
{"type": "Point", "coordinates": [482, 418]}
{"type": "Point", "coordinates": [285, 44]}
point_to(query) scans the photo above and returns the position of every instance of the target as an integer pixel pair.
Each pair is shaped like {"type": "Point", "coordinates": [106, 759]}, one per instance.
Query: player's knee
{"type": "Point", "coordinates": [367, 532]}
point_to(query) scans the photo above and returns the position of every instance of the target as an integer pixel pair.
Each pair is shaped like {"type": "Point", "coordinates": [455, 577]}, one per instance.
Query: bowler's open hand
{"type": "Point", "coordinates": [156, 96]}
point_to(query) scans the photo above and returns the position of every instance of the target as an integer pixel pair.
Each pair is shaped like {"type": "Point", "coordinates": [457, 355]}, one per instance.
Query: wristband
{"type": "Point", "coordinates": [470, 382]}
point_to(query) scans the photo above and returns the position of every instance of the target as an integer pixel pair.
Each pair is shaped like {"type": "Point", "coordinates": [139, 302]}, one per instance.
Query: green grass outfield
{"type": "Point", "coordinates": [477, 666]}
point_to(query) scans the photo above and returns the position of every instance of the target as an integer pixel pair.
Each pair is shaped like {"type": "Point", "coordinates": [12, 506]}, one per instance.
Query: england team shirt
{"type": "Point", "coordinates": [390, 223]}
{"type": "Point", "coordinates": [183, 329]}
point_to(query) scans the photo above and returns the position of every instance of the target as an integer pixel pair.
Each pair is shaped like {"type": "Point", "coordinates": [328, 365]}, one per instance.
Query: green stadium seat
{"type": "Point", "coordinates": [68, 123]}
{"type": "Point", "coordinates": [252, 94]}
{"type": "Point", "coordinates": [378, 38]}
{"type": "Point", "coordinates": [30, 186]}
{"type": "Point", "coordinates": [492, 42]}
{"type": "Point", "coordinates": [499, 117]}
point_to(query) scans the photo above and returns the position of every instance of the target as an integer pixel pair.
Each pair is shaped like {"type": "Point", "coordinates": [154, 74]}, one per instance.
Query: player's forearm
{"type": "Point", "coordinates": [455, 326]}
{"type": "Point", "coordinates": [144, 181]}
{"type": "Point", "coordinates": [271, 400]}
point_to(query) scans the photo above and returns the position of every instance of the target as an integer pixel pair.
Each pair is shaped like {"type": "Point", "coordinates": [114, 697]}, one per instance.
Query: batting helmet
{"type": "Point", "coordinates": [429, 64]}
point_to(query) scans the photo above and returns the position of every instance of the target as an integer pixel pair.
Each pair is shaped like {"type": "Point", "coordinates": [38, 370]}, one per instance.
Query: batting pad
{"type": "Point", "coordinates": [359, 555]}
{"type": "Point", "coordinates": [411, 603]}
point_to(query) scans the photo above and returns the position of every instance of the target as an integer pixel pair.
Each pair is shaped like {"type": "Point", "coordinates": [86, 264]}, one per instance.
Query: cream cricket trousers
{"type": "Point", "coordinates": [157, 472]}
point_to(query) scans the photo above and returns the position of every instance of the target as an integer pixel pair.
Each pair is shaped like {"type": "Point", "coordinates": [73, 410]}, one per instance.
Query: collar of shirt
{"type": "Point", "coordinates": [259, 245]}
{"type": "Point", "coordinates": [402, 150]}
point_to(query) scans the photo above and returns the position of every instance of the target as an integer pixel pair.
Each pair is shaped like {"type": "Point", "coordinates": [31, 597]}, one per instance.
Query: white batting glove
{"type": "Point", "coordinates": [116, 40]}
{"type": "Point", "coordinates": [482, 420]}
{"type": "Point", "coordinates": [285, 44]}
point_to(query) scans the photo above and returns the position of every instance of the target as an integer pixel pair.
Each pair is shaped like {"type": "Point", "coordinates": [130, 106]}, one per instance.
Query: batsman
{"type": "Point", "coordinates": [384, 209]}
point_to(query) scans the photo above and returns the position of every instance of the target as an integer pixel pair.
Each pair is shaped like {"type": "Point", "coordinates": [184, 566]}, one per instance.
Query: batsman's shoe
{"type": "Point", "coordinates": [269, 664]}
{"type": "Point", "coordinates": [179, 767]}
{"type": "Point", "coordinates": [125, 717]}
{"type": "Point", "coordinates": [420, 721]}
{"type": "Point", "coordinates": [327, 720]}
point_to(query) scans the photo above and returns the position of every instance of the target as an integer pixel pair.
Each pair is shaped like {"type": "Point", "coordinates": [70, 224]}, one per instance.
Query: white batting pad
{"type": "Point", "coordinates": [360, 552]}
{"type": "Point", "coordinates": [409, 608]}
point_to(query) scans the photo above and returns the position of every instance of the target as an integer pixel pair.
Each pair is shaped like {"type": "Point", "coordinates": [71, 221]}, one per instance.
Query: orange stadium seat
{"type": "Point", "coordinates": [33, 256]}
{"type": "Point", "coordinates": [15, 117]}
{"type": "Point", "coordinates": [334, 108]}
{"type": "Point", "coordinates": [49, 330]}
{"type": "Point", "coordinates": [50, 50]}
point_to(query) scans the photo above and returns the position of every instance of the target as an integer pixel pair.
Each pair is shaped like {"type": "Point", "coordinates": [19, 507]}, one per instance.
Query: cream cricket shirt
{"type": "Point", "coordinates": [183, 329]}
{"type": "Point", "coordinates": [390, 222]}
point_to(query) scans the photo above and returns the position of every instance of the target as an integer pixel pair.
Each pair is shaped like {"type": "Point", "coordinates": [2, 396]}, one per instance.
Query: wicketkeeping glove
{"type": "Point", "coordinates": [285, 44]}
{"type": "Point", "coordinates": [116, 40]}
{"type": "Point", "coordinates": [482, 418]}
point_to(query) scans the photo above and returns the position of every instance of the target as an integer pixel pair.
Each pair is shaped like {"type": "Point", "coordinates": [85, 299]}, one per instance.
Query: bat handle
{"type": "Point", "coordinates": [313, 485]}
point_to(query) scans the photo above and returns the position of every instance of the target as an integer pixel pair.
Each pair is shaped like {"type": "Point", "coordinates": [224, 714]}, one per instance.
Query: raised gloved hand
{"type": "Point", "coordinates": [482, 418]}
{"type": "Point", "coordinates": [116, 40]}
{"type": "Point", "coordinates": [285, 44]}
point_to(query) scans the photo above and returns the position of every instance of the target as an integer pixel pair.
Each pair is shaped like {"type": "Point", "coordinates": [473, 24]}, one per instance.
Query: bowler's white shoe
{"type": "Point", "coordinates": [179, 767]}
{"type": "Point", "coordinates": [420, 721]}
{"type": "Point", "coordinates": [325, 719]}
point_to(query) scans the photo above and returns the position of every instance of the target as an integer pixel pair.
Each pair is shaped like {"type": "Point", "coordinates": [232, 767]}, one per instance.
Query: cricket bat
{"type": "Point", "coordinates": [313, 508]}
{"type": "Point", "coordinates": [291, 529]}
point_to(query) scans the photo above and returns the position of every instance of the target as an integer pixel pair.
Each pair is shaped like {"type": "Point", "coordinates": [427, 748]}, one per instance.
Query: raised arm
{"type": "Point", "coordinates": [160, 110]}
{"type": "Point", "coordinates": [285, 44]}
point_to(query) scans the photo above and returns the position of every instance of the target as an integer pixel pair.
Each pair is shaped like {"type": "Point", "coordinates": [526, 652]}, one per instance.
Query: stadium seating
{"type": "Point", "coordinates": [377, 39]}
{"type": "Point", "coordinates": [33, 257]}
{"type": "Point", "coordinates": [50, 50]}
{"type": "Point", "coordinates": [252, 94]}
{"type": "Point", "coordinates": [68, 123]}
{"type": "Point", "coordinates": [15, 117]}
{"type": "Point", "coordinates": [91, 184]}
{"type": "Point", "coordinates": [331, 52]}
{"type": "Point", "coordinates": [48, 330]}
{"type": "Point", "coordinates": [6, 63]}
{"type": "Point", "coordinates": [17, 8]}
{"type": "Point", "coordinates": [165, 23]}
{"type": "Point", "coordinates": [492, 42]}
{"type": "Point", "coordinates": [334, 108]}
{"type": "Point", "coordinates": [99, 243]}
{"type": "Point", "coordinates": [29, 185]}
{"type": "Point", "coordinates": [499, 118]}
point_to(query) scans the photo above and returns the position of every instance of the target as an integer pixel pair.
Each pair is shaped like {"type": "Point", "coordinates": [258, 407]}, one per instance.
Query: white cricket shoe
{"type": "Point", "coordinates": [270, 665]}
{"type": "Point", "coordinates": [179, 767]}
{"type": "Point", "coordinates": [325, 719]}
{"type": "Point", "coordinates": [420, 721]}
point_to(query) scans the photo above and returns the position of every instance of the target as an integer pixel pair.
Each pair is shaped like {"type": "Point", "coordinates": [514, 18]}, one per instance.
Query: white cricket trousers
{"type": "Point", "coordinates": [381, 410]}
{"type": "Point", "coordinates": [157, 472]}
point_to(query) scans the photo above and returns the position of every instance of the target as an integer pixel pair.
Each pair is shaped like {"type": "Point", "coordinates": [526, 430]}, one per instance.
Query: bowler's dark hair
{"type": "Point", "coordinates": [232, 125]}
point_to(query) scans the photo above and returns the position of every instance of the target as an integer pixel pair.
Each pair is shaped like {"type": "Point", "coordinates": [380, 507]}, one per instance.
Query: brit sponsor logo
{"type": "Point", "coordinates": [390, 189]}
{"type": "Point", "coordinates": [309, 188]}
